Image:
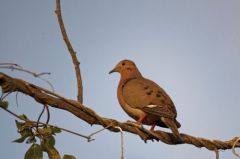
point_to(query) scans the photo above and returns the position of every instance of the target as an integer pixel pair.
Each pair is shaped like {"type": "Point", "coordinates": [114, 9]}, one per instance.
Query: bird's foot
{"type": "Point", "coordinates": [152, 127]}
{"type": "Point", "coordinates": [137, 124]}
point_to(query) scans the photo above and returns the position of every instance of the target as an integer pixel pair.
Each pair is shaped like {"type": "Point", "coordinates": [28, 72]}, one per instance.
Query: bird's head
{"type": "Point", "coordinates": [126, 68]}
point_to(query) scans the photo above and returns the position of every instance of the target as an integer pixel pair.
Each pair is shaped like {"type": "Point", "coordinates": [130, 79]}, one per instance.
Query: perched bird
{"type": "Point", "coordinates": [144, 100]}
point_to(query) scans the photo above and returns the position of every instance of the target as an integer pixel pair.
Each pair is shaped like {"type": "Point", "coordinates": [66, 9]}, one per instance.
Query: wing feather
{"type": "Point", "coordinates": [140, 93]}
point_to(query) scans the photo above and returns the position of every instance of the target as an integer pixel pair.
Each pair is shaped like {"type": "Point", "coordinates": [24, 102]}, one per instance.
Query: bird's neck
{"type": "Point", "coordinates": [125, 76]}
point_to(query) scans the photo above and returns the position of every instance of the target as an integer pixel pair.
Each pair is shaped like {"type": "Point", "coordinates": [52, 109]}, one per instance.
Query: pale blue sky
{"type": "Point", "coordinates": [191, 48]}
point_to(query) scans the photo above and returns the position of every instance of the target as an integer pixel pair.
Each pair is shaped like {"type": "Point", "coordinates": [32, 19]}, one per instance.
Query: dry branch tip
{"type": "Point", "coordinates": [233, 147]}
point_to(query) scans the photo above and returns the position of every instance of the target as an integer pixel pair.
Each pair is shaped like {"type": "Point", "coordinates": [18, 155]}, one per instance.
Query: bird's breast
{"type": "Point", "coordinates": [132, 112]}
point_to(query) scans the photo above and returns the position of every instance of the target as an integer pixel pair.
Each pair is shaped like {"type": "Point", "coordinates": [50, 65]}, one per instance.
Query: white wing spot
{"type": "Point", "coordinates": [151, 106]}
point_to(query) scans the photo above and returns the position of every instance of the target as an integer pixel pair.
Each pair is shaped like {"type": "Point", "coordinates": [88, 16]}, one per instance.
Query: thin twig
{"type": "Point", "coordinates": [216, 153]}
{"type": "Point", "coordinates": [16, 98]}
{"type": "Point", "coordinates": [233, 147]}
{"type": "Point", "coordinates": [96, 132]}
{"type": "Point", "coordinates": [122, 142]}
{"type": "Point", "coordinates": [19, 68]}
{"type": "Point", "coordinates": [39, 117]}
{"type": "Point", "coordinates": [13, 66]}
{"type": "Point", "coordinates": [1, 95]}
{"type": "Point", "coordinates": [12, 113]}
{"type": "Point", "coordinates": [48, 114]}
{"type": "Point", "coordinates": [35, 122]}
{"type": "Point", "coordinates": [72, 132]}
{"type": "Point", "coordinates": [71, 51]}
{"type": "Point", "coordinates": [49, 83]}
{"type": "Point", "coordinates": [4, 96]}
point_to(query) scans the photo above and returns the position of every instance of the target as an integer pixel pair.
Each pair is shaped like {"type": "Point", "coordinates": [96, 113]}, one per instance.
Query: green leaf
{"type": "Point", "coordinates": [55, 130]}
{"type": "Point", "coordinates": [24, 126]}
{"type": "Point", "coordinates": [19, 124]}
{"type": "Point", "coordinates": [49, 141]}
{"type": "Point", "coordinates": [4, 104]}
{"type": "Point", "coordinates": [24, 135]}
{"type": "Point", "coordinates": [69, 157]}
{"type": "Point", "coordinates": [34, 152]}
{"type": "Point", "coordinates": [28, 124]}
{"type": "Point", "coordinates": [25, 131]}
{"type": "Point", "coordinates": [23, 117]}
{"type": "Point", "coordinates": [45, 131]}
{"type": "Point", "coordinates": [20, 140]}
{"type": "Point", "coordinates": [51, 151]}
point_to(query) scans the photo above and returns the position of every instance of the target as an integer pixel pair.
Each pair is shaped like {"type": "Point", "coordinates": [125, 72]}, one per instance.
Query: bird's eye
{"type": "Point", "coordinates": [123, 63]}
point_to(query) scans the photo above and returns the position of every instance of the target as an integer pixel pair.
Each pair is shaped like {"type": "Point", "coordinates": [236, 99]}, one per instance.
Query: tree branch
{"type": "Point", "coordinates": [44, 96]}
{"type": "Point", "coordinates": [71, 51]}
{"type": "Point", "coordinates": [13, 66]}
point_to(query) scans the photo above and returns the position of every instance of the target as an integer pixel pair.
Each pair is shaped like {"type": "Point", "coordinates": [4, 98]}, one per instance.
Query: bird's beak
{"type": "Point", "coordinates": [114, 70]}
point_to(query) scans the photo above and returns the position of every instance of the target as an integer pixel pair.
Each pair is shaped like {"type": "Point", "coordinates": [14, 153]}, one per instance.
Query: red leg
{"type": "Point", "coordinates": [141, 119]}
{"type": "Point", "coordinates": [152, 127]}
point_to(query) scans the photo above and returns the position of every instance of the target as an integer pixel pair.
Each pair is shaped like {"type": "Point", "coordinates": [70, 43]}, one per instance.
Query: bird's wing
{"type": "Point", "coordinates": [146, 95]}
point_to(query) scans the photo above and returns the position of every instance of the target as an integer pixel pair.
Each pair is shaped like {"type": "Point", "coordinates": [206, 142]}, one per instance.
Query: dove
{"type": "Point", "coordinates": [144, 100]}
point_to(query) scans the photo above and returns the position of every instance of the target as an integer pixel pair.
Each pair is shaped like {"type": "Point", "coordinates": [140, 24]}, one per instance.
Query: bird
{"type": "Point", "coordinates": [144, 100]}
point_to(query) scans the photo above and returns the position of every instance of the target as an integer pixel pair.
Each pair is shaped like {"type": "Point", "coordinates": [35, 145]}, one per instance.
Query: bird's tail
{"type": "Point", "coordinates": [177, 123]}
{"type": "Point", "coordinates": [171, 124]}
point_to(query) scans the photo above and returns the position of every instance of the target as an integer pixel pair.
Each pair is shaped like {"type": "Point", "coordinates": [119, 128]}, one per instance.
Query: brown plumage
{"type": "Point", "coordinates": [144, 100]}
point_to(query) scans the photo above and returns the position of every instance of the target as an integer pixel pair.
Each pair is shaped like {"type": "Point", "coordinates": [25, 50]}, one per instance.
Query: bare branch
{"type": "Point", "coordinates": [42, 95]}
{"type": "Point", "coordinates": [16, 98]}
{"type": "Point", "coordinates": [233, 147]}
{"type": "Point", "coordinates": [71, 51]}
{"type": "Point", "coordinates": [13, 66]}
{"type": "Point", "coordinates": [217, 153]}
{"type": "Point", "coordinates": [122, 142]}
{"type": "Point", "coordinates": [39, 117]}
{"type": "Point", "coordinates": [96, 132]}
{"type": "Point", "coordinates": [10, 64]}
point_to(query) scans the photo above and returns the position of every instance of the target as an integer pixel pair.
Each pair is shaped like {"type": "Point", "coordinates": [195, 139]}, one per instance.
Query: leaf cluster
{"type": "Point", "coordinates": [41, 138]}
